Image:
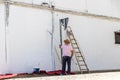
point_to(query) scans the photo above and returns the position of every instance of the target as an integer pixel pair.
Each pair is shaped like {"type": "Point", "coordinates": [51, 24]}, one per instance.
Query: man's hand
{"type": "Point", "coordinates": [60, 46]}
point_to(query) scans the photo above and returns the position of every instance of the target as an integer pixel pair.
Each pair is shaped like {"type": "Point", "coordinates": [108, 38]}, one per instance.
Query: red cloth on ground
{"type": "Point", "coordinates": [7, 76]}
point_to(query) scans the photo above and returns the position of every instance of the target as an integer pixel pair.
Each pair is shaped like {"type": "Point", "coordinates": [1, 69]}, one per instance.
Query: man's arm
{"type": "Point", "coordinates": [60, 46]}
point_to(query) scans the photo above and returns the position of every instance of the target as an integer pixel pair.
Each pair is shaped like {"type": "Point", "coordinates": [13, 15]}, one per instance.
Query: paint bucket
{"type": "Point", "coordinates": [36, 70]}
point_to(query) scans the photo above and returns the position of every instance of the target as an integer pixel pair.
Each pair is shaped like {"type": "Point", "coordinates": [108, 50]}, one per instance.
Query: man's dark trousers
{"type": "Point", "coordinates": [66, 59]}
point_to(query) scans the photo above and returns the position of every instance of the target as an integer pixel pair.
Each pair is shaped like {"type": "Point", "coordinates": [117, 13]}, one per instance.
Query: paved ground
{"type": "Point", "coordinates": [90, 76]}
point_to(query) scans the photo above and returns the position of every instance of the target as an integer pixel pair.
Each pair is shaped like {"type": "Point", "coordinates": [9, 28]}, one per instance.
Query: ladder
{"type": "Point", "coordinates": [78, 55]}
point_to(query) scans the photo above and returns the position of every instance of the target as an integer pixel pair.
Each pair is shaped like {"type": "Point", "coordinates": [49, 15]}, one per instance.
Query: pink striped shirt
{"type": "Point", "coordinates": [66, 50]}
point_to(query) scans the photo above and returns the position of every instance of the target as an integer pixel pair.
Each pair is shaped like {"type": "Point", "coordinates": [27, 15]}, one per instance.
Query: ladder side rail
{"type": "Point", "coordinates": [76, 42]}
{"type": "Point", "coordinates": [83, 57]}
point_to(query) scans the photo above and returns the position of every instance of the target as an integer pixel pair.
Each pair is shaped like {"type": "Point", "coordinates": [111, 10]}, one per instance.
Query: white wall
{"type": "Point", "coordinates": [3, 65]}
{"type": "Point", "coordinates": [115, 8]}
{"type": "Point", "coordinates": [28, 41]}
{"type": "Point", "coordinates": [77, 5]}
{"type": "Point", "coordinates": [96, 40]}
{"type": "Point", "coordinates": [100, 7]}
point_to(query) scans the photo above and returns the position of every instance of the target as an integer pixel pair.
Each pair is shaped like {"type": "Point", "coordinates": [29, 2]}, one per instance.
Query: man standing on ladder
{"type": "Point", "coordinates": [66, 56]}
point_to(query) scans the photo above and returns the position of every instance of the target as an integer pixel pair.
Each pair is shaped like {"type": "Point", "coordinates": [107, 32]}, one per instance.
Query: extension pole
{"type": "Point", "coordinates": [61, 39]}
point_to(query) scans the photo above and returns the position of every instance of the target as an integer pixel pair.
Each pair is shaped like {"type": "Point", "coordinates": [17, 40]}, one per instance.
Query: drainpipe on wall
{"type": "Point", "coordinates": [60, 28]}
{"type": "Point", "coordinates": [6, 25]}
{"type": "Point", "coordinates": [52, 39]}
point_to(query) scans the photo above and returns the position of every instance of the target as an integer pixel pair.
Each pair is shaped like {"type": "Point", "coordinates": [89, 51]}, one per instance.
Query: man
{"type": "Point", "coordinates": [66, 56]}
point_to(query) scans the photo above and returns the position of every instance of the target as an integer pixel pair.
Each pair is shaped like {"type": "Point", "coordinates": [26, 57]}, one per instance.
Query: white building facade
{"type": "Point", "coordinates": [26, 42]}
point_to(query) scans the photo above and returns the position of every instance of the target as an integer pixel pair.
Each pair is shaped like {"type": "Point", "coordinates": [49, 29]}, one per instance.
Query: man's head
{"type": "Point", "coordinates": [66, 41]}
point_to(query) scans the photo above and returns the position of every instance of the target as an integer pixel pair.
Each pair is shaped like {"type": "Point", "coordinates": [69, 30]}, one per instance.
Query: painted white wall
{"type": "Point", "coordinates": [100, 7]}
{"type": "Point", "coordinates": [28, 41]}
{"type": "Point", "coordinates": [96, 40]}
{"type": "Point", "coordinates": [3, 65]}
{"type": "Point", "coordinates": [116, 8]}
{"type": "Point", "coordinates": [77, 5]}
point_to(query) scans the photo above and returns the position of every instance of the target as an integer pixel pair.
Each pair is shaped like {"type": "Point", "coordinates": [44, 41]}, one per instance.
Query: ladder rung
{"type": "Point", "coordinates": [84, 69]}
{"type": "Point", "coordinates": [70, 31]}
{"type": "Point", "coordinates": [77, 52]}
{"type": "Point", "coordinates": [79, 56]}
{"type": "Point", "coordinates": [81, 60]}
{"type": "Point", "coordinates": [75, 47]}
{"type": "Point", "coordinates": [82, 65]}
{"type": "Point", "coordinates": [74, 43]}
{"type": "Point", "coordinates": [70, 34]}
{"type": "Point", "coordinates": [72, 39]}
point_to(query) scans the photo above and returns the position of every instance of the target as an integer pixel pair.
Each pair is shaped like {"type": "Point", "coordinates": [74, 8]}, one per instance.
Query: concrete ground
{"type": "Point", "coordinates": [90, 76]}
